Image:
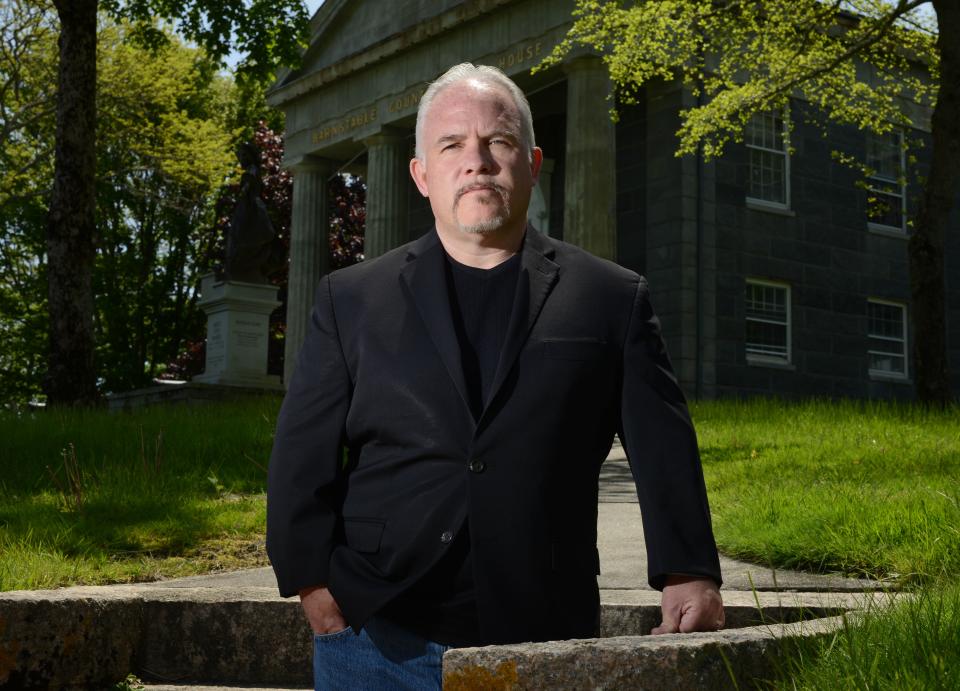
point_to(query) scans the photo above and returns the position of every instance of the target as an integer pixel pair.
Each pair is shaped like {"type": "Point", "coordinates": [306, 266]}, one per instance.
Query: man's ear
{"type": "Point", "coordinates": [418, 171]}
{"type": "Point", "coordinates": [536, 160]}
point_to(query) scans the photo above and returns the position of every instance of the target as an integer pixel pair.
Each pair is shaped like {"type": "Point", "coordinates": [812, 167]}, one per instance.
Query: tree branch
{"type": "Point", "coordinates": [856, 48]}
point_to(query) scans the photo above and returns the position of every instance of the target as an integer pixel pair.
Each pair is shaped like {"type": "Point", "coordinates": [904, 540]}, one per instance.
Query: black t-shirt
{"type": "Point", "coordinates": [481, 301]}
{"type": "Point", "coordinates": [442, 606]}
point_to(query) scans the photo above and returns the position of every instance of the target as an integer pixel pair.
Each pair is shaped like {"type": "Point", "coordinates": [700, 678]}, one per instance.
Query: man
{"type": "Point", "coordinates": [476, 378]}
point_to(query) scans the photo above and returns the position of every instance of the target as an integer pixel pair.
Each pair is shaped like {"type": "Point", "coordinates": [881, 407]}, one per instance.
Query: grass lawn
{"type": "Point", "coordinates": [913, 646]}
{"type": "Point", "coordinates": [90, 497]}
{"type": "Point", "coordinates": [861, 488]}
{"type": "Point", "coordinates": [867, 489]}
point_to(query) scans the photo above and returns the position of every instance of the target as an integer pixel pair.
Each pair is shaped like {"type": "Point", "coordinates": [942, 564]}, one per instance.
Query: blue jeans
{"type": "Point", "coordinates": [384, 657]}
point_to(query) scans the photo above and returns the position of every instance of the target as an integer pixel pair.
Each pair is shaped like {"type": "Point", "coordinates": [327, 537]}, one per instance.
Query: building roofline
{"type": "Point", "coordinates": [291, 85]}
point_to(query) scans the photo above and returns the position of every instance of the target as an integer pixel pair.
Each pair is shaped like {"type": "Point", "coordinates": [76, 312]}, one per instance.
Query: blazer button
{"type": "Point", "coordinates": [477, 466]}
{"type": "Point", "coordinates": [446, 537]}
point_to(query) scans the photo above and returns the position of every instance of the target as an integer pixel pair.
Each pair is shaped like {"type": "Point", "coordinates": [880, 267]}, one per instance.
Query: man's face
{"type": "Point", "coordinates": [476, 170]}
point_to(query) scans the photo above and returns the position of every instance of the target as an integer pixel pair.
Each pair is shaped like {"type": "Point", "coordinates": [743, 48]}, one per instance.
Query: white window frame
{"type": "Point", "coordinates": [760, 358]}
{"type": "Point", "coordinates": [886, 374]}
{"type": "Point", "coordinates": [785, 152]}
{"type": "Point", "coordinates": [901, 183]}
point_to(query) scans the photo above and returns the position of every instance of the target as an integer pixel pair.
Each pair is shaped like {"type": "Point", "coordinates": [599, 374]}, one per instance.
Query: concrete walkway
{"type": "Point", "coordinates": [623, 559]}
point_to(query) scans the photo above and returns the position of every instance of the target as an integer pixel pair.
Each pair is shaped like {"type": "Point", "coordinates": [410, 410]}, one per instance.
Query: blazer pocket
{"type": "Point", "coordinates": [363, 534]}
{"type": "Point", "coordinates": [574, 349]}
{"type": "Point", "coordinates": [571, 557]}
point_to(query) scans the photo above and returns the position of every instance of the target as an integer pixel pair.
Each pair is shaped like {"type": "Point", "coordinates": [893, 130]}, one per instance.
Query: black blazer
{"type": "Point", "coordinates": [379, 375]}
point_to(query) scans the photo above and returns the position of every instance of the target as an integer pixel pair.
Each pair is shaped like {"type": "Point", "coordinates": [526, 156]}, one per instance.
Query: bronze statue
{"type": "Point", "coordinates": [253, 249]}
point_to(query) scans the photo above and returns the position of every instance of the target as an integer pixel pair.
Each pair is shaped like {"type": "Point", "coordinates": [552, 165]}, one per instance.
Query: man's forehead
{"type": "Point", "coordinates": [471, 94]}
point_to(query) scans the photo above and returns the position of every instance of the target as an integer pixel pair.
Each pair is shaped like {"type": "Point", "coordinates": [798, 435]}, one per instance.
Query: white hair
{"type": "Point", "coordinates": [487, 75]}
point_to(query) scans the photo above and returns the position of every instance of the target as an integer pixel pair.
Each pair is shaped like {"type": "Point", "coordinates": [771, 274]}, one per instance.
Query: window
{"type": "Point", "coordinates": [766, 139]}
{"type": "Point", "coordinates": [768, 322]}
{"type": "Point", "coordinates": [886, 204]}
{"type": "Point", "coordinates": [887, 338]}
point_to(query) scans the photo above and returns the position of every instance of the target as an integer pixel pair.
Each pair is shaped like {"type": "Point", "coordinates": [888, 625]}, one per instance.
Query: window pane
{"type": "Point", "coordinates": [766, 339]}
{"type": "Point", "coordinates": [766, 302]}
{"type": "Point", "coordinates": [765, 130]}
{"type": "Point", "coordinates": [883, 155]}
{"type": "Point", "coordinates": [886, 340]}
{"type": "Point", "coordinates": [887, 362]}
{"type": "Point", "coordinates": [885, 207]}
{"type": "Point", "coordinates": [885, 321]}
{"type": "Point", "coordinates": [767, 176]}
{"type": "Point", "coordinates": [766, 321]}
{"type": "Point", "coordinates": [768, 157]}
{"type": "Point", "coordinates": [886, 196]}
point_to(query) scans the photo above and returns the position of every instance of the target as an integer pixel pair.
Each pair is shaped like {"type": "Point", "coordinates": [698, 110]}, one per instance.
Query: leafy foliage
{"type": "Point", "coordinates": [164, 146]}
{"type": "Point", "coordinates": [857, 61]}
{"type": "Point", "coordinates": [163, 150]}
{"type": "Point", "coordinates": [348, 196]}
{"type": "Point", "coordinates": [269, 33]}
{"type": "Point", "coordinates": [27, 71]}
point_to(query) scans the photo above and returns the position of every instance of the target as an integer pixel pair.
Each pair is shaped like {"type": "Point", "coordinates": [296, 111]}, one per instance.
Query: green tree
{"type": "Point", "coordinates": [163, 150]}
{"type": "Point", "coordinates": [269, 32]}
{"type": "Point", "coordinates": [860, 62]}
{"type": "Point", "coordinates": [27, 106]}
{"type": "Point", "coordinates": [165, 145]}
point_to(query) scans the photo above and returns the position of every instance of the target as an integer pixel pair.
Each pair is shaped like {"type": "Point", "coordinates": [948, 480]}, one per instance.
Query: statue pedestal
{"type": "Point", "coordinates": [238, 320]}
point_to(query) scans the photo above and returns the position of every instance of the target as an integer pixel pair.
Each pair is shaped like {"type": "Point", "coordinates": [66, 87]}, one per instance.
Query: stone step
{"type": "Point", "coordinates": [91, 635]}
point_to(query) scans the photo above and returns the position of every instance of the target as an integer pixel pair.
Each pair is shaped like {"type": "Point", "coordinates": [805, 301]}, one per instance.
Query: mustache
{"type": "Point", "coordinates": [480, 186]}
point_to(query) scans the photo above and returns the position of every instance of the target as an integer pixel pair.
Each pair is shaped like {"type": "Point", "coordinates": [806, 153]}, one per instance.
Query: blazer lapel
{"type": "Point", "coordinates": [538, 273]}
{"type": "Point", "coordinates": [425, 277]}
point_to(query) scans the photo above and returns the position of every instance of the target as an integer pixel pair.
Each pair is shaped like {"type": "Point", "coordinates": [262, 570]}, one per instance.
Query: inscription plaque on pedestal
{"type": "Point", "coordinates": [238, 321]}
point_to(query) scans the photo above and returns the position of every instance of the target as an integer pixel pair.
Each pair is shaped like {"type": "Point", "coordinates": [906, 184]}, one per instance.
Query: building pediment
{"type": "Point", "coordinates": [369, 62]}
{"type": "Point", "coordinates": [347, 35]}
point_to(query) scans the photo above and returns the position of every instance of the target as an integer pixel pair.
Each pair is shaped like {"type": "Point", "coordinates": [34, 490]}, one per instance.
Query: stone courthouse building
{"type": "Point", "coordinates": [769, 271]}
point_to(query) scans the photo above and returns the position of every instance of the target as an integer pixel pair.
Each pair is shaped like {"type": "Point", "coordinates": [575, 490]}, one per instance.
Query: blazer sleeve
{"type": "Point", "coordinates": [304, 483]}
{"type": "Point", "coordinates": [661, 446]}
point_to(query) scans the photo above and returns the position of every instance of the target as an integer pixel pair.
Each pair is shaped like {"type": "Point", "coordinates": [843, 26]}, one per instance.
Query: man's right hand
{"type": "Point", "coordinates": [321, 610]}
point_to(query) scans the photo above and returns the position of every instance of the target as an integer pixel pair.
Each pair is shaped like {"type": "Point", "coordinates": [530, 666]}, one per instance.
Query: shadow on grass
{"type": "Point", "coordinates": [108, 532]}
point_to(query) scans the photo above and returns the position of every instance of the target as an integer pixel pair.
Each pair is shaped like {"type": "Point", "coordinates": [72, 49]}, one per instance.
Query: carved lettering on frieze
{"type": "Point", "coordinates": [347, 124]}
{"type": "Point", "coordinates": [408, 99]}
{"type": "Point", "coordinates": [519, 55]}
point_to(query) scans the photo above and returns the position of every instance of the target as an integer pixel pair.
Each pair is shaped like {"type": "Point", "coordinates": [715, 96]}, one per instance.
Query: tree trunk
{"type": "Point", "coordinates": [71, 377]}
{"type": "Point", "coordinates": [927, 243]}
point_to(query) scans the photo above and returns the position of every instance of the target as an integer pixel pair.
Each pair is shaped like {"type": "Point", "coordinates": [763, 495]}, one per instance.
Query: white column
{"type": "Point", "coordinates": [388, 183]}
{"type": "Point", "coordinates": [590, 191]}
{"type": "Point", "coordinates": [309, 250]}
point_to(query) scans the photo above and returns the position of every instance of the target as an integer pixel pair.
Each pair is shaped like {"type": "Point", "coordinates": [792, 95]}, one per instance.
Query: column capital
{"type": "Point", "coordinates": [584, 63]}
{"type": "Point", "coordinates": [310, 164]}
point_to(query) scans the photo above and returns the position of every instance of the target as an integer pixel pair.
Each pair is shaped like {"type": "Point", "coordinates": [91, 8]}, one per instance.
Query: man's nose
{"type": "Point", "coordinates": [478, 158]}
